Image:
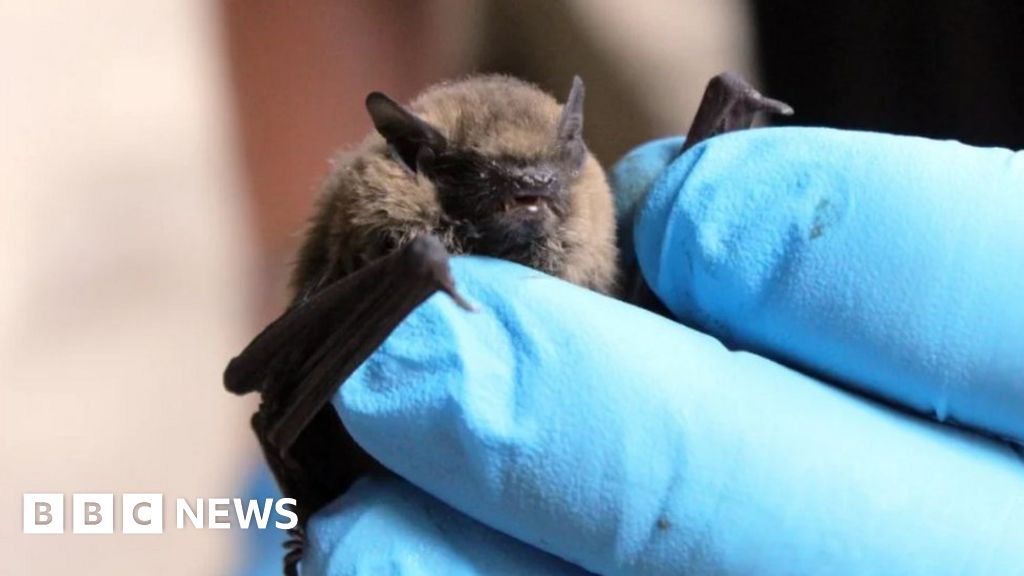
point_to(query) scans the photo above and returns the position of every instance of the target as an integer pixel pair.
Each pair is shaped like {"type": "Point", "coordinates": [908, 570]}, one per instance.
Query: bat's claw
{"type": "Point", "coordinates": [429, 252]}
{"type": "Point", "coordinates": [773, 106]}
{"type": "Point", "coordinates": [729, 104]}
{"type": "Point", "coordinates": [453, 293]}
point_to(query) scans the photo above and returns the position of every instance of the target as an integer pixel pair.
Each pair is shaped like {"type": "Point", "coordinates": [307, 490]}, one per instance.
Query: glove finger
{"type": "Point", "coordinates": [891, 264]}
{"type": "Point", "coordinates": [629, 444]}
{"type": "Point", "coordinates": [383, 525]}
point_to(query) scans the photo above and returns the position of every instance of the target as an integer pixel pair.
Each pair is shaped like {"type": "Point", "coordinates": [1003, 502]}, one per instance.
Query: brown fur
{"type": "Point", "coordinates": [371, 203]}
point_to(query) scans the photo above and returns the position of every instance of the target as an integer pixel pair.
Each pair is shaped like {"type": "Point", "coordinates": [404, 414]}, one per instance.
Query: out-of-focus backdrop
{"type": "Point", "coordinates": [157, 160]}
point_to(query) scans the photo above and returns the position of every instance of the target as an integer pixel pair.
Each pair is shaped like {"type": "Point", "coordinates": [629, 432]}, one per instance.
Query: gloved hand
{"type": "Point", "coordinates": [565, 422]}
{"type": "Point", "coordinates": [894, 265]}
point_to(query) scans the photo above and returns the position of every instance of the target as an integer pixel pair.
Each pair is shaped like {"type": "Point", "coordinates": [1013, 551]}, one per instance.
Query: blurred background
{"type": "Point", "coordinates": [158, 160]}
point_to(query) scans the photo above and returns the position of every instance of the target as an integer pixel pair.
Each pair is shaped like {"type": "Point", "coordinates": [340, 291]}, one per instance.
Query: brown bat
{"type": "Point", "coordinates": [487, 165]}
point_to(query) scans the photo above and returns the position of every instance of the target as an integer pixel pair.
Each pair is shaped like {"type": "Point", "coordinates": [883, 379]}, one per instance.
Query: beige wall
{"type": "Point", "coordinates": [122, 275]}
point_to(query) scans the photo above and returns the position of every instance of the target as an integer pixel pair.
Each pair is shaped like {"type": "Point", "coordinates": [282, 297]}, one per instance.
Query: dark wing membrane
{"type": "Point", "coordinates": [302, 358]}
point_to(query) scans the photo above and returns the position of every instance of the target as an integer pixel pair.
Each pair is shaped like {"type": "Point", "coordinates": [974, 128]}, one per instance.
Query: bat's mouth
{"type": "Point", "coordinates": [518, 226]}
{"type": "Point", "coordinates": [530, 203]}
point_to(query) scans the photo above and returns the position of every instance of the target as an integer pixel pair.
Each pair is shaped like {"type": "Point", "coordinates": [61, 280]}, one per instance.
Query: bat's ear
{"type": "Point", "coordinates": [404, 131]}
{"type": "Point", "coordinates": [569, 137]}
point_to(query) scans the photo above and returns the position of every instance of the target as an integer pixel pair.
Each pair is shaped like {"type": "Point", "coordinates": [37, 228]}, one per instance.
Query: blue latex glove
{"type": "Point", "coordinates": [383, 525]}
{"type": "Point", "coordinates": [894, 265]}
{"type": "Point", "coordinates": [627, 444]}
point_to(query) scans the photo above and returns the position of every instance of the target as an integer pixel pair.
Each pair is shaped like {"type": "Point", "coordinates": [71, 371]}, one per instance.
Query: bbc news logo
{"type": "Point", "coordinates": [144, 513]}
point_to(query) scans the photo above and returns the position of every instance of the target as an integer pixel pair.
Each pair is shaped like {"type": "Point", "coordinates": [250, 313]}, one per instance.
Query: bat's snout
{"type": "Point", "coordinates": [535, 193]}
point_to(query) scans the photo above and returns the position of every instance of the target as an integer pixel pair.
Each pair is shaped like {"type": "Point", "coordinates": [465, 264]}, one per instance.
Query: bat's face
{"type": "Point", "coordinates": [505, 207]}
{"type": "Point", "coordinates": [490, 165]}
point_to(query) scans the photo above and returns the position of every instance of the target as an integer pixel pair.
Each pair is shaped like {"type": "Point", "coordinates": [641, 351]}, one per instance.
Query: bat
{"type": "Point", "coordinates": [487, 165]}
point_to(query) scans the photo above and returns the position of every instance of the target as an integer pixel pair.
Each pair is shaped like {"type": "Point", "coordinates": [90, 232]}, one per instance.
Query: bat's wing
{"type": "Point", "coordinates": [729, 104]}
{"type": "Point", "coordinates": [300, 360]}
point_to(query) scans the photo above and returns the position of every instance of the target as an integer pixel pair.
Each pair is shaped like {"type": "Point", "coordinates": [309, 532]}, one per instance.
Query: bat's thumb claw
{"type": "Point", "coordinates": [776, 106]}
{"type": "Point", "coordinates": [453, 293]}
{"type": "Point", "coordinates": [429, 252]}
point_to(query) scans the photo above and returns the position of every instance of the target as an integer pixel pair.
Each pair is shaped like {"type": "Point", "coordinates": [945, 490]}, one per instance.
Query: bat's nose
{"type": "Point", "coordinates": [535, 183]}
